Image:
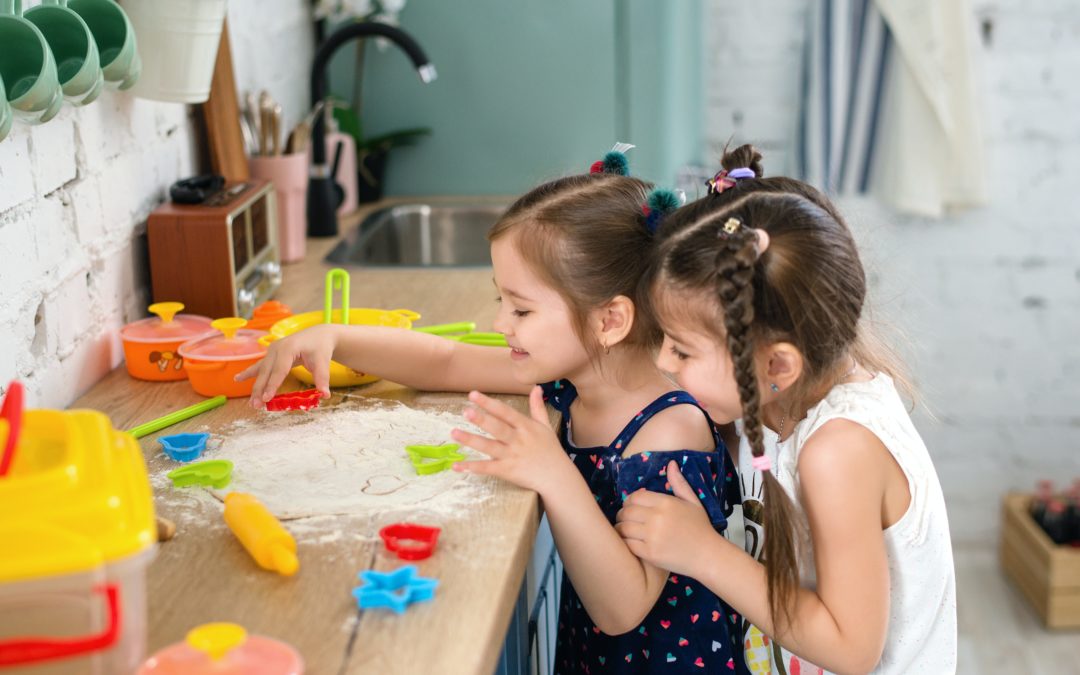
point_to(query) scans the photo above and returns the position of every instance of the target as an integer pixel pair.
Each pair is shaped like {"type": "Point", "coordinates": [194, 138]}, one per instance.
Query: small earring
{"type": "Point", "coordinates": [607, 349]}
{"type": "Point", "coordinates": [774, 387]}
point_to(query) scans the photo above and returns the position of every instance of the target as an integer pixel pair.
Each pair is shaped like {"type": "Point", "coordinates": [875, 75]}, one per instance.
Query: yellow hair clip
{"type": "Point", "coordinates": [731, 225]}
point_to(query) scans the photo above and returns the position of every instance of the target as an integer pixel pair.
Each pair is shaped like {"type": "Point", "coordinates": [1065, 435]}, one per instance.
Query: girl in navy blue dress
{"type": "Point", "coordinates": [567, 259]}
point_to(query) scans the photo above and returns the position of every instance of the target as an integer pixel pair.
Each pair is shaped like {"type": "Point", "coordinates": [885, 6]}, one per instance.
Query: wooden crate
{"type": "Point", "coordinates": [1049, 575]}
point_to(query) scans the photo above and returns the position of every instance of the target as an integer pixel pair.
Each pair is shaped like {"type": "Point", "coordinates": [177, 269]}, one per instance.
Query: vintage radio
{"type": "Point", "coordinates": [220, 257]}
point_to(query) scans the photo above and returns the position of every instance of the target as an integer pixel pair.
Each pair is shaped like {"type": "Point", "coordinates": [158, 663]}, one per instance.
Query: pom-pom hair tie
{"type": "Point", "coordinates": [761, 463]}
{"type": "Point", "coordinates": [660, 203]}
{"type": "Point", "coordinates": [725, 179]}
{"type": "Point", "coordinates": [614, 161]}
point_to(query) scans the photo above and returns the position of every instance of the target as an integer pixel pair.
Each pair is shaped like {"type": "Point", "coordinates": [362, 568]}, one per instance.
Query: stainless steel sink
{"type": "Point", "coordinates": [431, 234]}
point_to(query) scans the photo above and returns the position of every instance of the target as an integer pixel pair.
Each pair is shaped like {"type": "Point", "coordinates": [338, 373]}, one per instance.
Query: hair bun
{"type": "Point", "coordinates": [745, 156]}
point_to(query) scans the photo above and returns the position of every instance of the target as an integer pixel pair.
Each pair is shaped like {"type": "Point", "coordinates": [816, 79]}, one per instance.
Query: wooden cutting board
{"type": "Point", "coordinates": [222, 114]}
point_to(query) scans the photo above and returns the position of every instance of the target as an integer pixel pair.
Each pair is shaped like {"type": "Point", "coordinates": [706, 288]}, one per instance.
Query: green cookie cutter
{"type": "Point", "coordinates": [215, 473]}
{"type": "Point", "coordinates": [429, 459]}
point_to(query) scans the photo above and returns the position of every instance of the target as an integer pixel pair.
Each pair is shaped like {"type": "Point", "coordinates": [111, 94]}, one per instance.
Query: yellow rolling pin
{"type": "Point", "coordinates": [270, 544]}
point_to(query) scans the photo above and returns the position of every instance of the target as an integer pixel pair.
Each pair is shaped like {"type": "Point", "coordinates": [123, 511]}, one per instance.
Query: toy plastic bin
{"type": "Point", "coordinates": [77, 533]}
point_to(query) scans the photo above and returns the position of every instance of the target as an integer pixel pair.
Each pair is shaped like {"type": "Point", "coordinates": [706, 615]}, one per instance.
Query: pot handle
{"type": "Point", "coordinates": [204, 367]}
{"type": "Point", "coordinates": [37, 649]}
{"type": "Point", "coordinates": [265, 340]}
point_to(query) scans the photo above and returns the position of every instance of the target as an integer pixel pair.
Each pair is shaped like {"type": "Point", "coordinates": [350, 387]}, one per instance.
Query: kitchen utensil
{"type": "Point", "coordinates": [270, 544]}
{"type": "Point", "coordinates": [215, 473]}
{"type": "Point", "coordinates": [78, 532]}
{"type": "Point", "coordinates": [485, 339]}
{"type": "Point", "coordinates": [77, 64]}
{"type": "Point", "coordinates": [429, 459]}
{"type": "Point", "coordinates": [295, 400]}
{"type": "Point", "coordinates": [224, 649]}
{"type": "Point", "coordinates": [213, 361]}
{"type": "Point", "coordinates": [345, 171]}
{"type": "Point", "coordinates": [300, 136]}
{"type": "Point", "coordinates": [150, 344]}
{"type": "Point", "coordinates": [178, 43]}
{"type": "Point", "coordinates": [220, 258]}
{"type": "Point", "coordinates": [222, 115]}
{"type": "Point", "coordinates": [11, 413]}
{"type": "Point", "coordinates": [289, 175]}
{"type": "Point", "coordinates": [276, 133]}
{"type": "Point", "coordinates": [267, 314]}
{"type": "Point", "coordinates": [337, 279]}
{"type": "Point", "coordinates": [410, 541]}
{"type": "Point", "coordinates": [27, 67]}
{"type": "Point", "coordinates": [115, 38]}
{"type": "Point", "coordinates": [395, 590]}
{"type": "Point", "coordinates": [175, 417]}
{"type": "Point", "coordinates": [340, 376]}
{"type": "Point", "coordinates": [184, 447]}
{"type": "Point", "coordinates": [251, 145]}
{"type": "Point", "coordinates": [448, 328]}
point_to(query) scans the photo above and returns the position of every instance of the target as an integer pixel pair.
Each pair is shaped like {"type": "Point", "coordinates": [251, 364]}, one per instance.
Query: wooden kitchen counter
{"type": "Point", "coordinates": [204, 575]}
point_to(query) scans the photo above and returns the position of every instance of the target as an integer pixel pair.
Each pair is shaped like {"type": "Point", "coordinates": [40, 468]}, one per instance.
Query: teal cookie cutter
{"type": "Point", "coordinates": [395, 590]}
{"type": "Point", "coordinates": [184, 447]}
{"type": "Point", "coordinates": [429, 459]}
{"type": "Point", "coordinates": [215, 473]}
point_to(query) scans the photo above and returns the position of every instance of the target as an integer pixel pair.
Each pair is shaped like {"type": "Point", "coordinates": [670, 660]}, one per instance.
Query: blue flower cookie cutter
{"type": "Point", "coordinates": [184, 447]}
{"type": "Point", "coordinates": [395, 590]}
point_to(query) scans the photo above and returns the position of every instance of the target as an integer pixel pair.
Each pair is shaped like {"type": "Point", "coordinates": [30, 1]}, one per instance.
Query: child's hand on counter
{"type": "Point", "coordinates": [524, 449]}
{"type": "Point", "coordinates": [311, 348]}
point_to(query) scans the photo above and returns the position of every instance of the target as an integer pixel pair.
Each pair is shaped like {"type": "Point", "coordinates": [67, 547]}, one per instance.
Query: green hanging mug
{"type": "Point", "coordinates": [5, 112]}
{"type": "Point", "coordinates": [73, 48]}
{"type": "Point", "coordinates": [115, 40]}
{"type": "Point", "coordinates": [27, 67]}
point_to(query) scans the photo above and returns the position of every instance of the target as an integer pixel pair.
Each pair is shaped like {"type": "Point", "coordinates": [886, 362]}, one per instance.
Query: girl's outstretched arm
{"type": "Point", "coordinates": [412, 358]}
{"type": "Point", "coordinates": [616, 588]}
{"type": "Point", "coordinates": [841, 624]}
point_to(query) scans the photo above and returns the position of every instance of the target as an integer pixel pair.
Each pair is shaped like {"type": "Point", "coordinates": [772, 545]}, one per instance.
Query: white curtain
{"type": "Point", "coordinates": [890, 103]}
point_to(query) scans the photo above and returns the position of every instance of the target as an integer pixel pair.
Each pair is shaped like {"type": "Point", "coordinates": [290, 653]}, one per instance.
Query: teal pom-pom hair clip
{"type": "Point", "coordinates": [661, 202]}
{"type": "Point", "coordinates": [614, 161]}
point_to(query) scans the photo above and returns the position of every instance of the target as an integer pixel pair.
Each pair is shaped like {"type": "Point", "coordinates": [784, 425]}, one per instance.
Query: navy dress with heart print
{"type": "Point", "coordinates": [690, 629]}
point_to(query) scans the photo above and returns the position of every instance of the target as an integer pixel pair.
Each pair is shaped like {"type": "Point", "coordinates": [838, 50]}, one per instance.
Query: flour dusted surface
{"type": "Point", "coordinates": [337, 462]}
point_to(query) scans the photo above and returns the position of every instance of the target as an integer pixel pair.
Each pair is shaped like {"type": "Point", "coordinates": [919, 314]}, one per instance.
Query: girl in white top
{"type": "Point", "coordinates": [759, 290]}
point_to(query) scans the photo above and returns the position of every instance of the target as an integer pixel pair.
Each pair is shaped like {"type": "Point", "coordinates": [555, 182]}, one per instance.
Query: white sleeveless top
{"type": "Point", "coordinates": [921, 634]}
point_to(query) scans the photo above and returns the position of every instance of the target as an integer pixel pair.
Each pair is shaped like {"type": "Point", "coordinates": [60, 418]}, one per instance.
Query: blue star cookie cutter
{"type": "Point", "coordinates": [395, 590]}
{"type": "Point", "coordinates": [184, 447]}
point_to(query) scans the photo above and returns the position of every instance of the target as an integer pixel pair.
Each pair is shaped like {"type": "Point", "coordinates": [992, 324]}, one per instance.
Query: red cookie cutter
{"type": "Point", "coordinates": [295, 400]}
{"type": "Point", "coordinates": [410, 541]}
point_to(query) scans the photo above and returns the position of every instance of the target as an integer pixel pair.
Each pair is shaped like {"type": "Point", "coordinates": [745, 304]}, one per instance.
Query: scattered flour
{"type": "Point", "coordinates": [335, 462]}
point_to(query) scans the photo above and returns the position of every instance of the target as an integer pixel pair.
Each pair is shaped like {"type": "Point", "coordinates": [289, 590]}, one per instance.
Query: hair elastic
{"type": "Point", "coordinates": [725, 179]}
{"type": "Point", "coordinates": [761, 463]}
{"type": "Point", "coordinates": [659, 203]}
{"type": "Point", "coordinates": [614, 161]}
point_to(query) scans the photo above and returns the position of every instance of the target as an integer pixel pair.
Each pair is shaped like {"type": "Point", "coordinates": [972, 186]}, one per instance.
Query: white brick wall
{"type": "Point", "coordinates": [988, 300]}
{"type": "Point", "coordinates": [75, 194]}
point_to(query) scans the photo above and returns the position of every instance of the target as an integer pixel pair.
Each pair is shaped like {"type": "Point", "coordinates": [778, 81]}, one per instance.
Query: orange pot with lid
{"type": "Point", "coordinates": [224, 649]}
{"type": "Point", "coordinates": [214, 359]}
{"type": "Point", "coordinates": [151, 345]}
{"type": "Point", "coordinates": [269, 313]}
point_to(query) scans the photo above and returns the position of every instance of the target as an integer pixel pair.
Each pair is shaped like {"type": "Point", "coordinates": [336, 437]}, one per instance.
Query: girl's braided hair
{"type": "Point", "coordinates": [807, 289]}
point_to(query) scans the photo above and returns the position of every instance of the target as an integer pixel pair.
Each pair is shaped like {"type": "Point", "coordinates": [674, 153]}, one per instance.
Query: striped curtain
{"type": "Point", "coordinates": [889, 104]}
